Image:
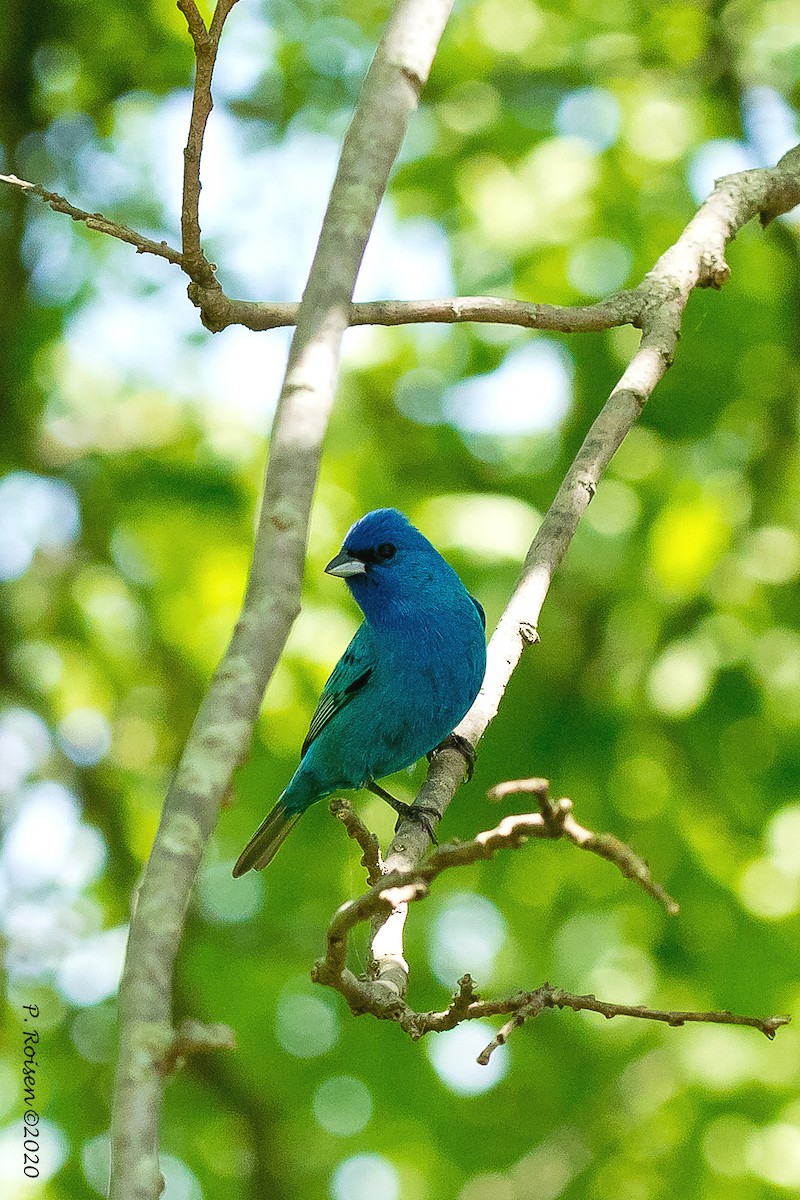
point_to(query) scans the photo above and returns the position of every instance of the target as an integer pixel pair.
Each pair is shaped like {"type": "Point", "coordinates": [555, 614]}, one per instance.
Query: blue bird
{"type": "Point", "coordinates": [407, 678]}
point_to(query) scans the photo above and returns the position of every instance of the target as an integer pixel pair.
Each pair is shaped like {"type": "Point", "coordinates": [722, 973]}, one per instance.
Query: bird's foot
{"type": "Point", "coordinates": [422, 813]}
{"type": "Point", "coordinates": [454, 741]}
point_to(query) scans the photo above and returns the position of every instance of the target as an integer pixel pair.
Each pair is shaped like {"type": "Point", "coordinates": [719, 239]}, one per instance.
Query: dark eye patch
{"type": "Point", "coordinates": [373, 554]}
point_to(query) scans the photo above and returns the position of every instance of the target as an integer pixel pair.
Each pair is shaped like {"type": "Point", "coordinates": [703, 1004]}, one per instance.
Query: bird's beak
{"type": "Point", "coordinates": [344, 566]}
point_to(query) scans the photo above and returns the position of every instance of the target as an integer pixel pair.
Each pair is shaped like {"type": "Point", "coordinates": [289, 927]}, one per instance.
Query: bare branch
{"type": "Point", "coordinates": [540, 788]}
{"type": "Point", "coordinates": [383, 998]}
{"type": "Point", "coordinates": [97, 221]}
{"type": "Point", "coordinates": [547, 996]}
{"type": "Point", "coordinates": [557, 821]}
{"type": "Point", "coordinates": [206, 45]}
{"type": "Point", "coordinates": [218, 311]}
{"type": "Point", "coordinates": [221, 734]}
{"type": "Point", "coordinates": [697, 259]}
{"type": "Point", "coordinates": [357, 830]}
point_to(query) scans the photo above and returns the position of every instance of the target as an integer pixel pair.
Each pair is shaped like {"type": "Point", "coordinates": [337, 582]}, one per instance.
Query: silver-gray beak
{"type": "Point", "coordinates": [344, 566]}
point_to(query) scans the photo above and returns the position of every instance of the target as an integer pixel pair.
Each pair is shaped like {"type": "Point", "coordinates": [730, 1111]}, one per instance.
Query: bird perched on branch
{"type": "Point", "coordinates": [407, 678]}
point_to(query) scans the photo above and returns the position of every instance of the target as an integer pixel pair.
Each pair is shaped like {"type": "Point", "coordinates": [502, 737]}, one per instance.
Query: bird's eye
{"type": "Point", "coordinates": [386, 550]}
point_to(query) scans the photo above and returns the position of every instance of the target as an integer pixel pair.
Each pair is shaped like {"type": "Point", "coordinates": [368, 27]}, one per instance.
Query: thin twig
{"type": "Point", "coordinates": [558, 821]}
{"type": "Point", "coordinates": [97, 221]}
{"type": "Point", "coordinates": [380, 996]}
{"type": "Point", "coordinates": [219, 311]}
{"type": "Point", "coordinates": [547, 996]}
{"type": "Point", "coordinates": [206, 46]}
{"type": "Point", "coordinates": [357, 830]}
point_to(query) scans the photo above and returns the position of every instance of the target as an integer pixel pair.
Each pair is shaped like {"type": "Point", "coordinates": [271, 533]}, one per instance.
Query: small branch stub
{"type": "Point", "coordinates": [192, 1037]}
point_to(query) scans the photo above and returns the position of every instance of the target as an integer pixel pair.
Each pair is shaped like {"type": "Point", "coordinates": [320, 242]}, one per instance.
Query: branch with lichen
{"type": "Point", "coordinates": [376, 996]}
{"type": "Point", "coordinates": [221, 734]}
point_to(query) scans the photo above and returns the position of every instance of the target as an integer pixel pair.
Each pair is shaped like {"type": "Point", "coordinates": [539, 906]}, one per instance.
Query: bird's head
{"type": "Point", "coordinates": [384, 559]}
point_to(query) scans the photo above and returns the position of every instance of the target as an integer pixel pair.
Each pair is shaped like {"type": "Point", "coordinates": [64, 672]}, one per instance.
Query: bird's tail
{"type": "Point", "coordinates": [267, 840]}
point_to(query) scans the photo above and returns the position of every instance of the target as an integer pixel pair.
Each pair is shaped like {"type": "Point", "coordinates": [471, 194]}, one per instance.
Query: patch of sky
{"type": "Point", "coordinates": [91, 970]}
{"type": "Point", "coordinates": [138, 323]}
{"type": "Point", "coordinates": [771, 128]}
{"type": "Point", "coordinates": [528, 393]}
{"type": "Point", "coordinates": [58, 259]}
{"type": "Point", "coordinates": [49, 855]}
{"type": "Point", "coordinates": [24, 747]}
{"type": "Point", "coordinates": [47, 844]}
{"type": "Point", "coordinates": [246, 53]}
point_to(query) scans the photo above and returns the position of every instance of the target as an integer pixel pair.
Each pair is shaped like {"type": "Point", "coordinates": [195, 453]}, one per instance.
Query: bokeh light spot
{"type": "Point", "coordinates": [305, 1026]}
{"type": "Point", "coordinates": [24, 746]}
{"type": "Point", "coordinates": [768, 891]}
{"type": "Point", "coordinates": [53, 1148]}
{"type": "Point", "coordinates": [774, 1154]}
{"type": "Point", "coordinates": [225, 900]}
{"type": "Point", "coordinates": [453, 1057]}
{"type": "Point", "coordinates": [91, 971]}
{"type": "Point", "coordinates": [467, 935]}
{"type": "Point", "coordinates": [35, 513]}
{"type": "Point", "coordinates": [482, 526]}
{"type": "Point", "coordinates": [84, 735]}
{"type": "Point", "coordinates": [598, 266]}
{"type": "Point", "coordinates": [681, 678]}
{"type": "Point", "coordinates": [589, 113]}
{"type": "Point", "coordinates": [528, 393]}
{"type": "Point", "coordinates": [343, 1105]}
{"type": "Point", "coordinates": [365, 1177]}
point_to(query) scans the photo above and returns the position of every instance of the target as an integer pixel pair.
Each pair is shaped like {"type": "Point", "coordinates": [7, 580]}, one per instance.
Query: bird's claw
{"type": "Point", "coordinates": [455, 741]}
{"type": "Point", "coordinates": [422, 814]}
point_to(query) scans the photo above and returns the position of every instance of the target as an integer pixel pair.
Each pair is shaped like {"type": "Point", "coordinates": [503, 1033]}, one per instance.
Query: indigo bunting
{"type": "Point", "coordinates": [411, 672]}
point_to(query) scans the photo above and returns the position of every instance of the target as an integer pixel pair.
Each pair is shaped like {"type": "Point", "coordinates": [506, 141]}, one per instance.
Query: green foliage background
{"type": "Point", "coordinates": [664, 696]}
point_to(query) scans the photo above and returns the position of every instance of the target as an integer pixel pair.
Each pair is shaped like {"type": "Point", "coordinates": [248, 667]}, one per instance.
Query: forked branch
{"type": "Point", "coordinates": [367, 994]}
{"type": "Point", "coordinates": [697, 259]}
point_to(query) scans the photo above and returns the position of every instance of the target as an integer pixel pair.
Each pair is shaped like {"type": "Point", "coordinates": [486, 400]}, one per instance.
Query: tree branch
{"type": "Point", "coordinates": [192, 1037]}
{"type": "Point", "coordinates": [382, 998]}
{"type": "Point", "coordinates": [97, 221]}
{"type": "Point", "coordinates": [218, 311]}
{"type": "Point", "coordinates": [697, 259]}
{"type": "Point", "coordinates": [221, 734]}
{"type": "Point", "coordinates": [357, 830]}
{"type": "Point", "coordinates": [547, 996]}
{"type": "Point", "coordinates": [557, 821]}
{"type": "Point", "coordinates": [206, 45]}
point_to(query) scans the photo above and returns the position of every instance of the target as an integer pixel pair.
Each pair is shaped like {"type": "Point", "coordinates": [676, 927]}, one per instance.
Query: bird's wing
{"type": "Point", "coordinates": [349, 676]}
{"type": "Point", "coordinates": [481, 613]}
